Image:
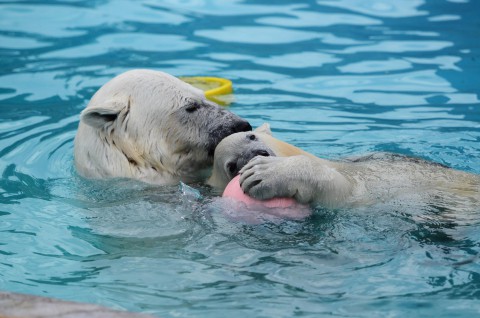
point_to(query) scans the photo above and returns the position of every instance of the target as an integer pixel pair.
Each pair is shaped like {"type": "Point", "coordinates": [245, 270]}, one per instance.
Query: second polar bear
{"type": "Point", "coordinates": [272, 168]}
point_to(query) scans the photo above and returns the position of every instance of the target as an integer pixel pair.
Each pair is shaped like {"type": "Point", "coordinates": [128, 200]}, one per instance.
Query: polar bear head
{"type": "Point", "coordinates": [236, 150]}
{"type": "Point", "coordinates": [150, 126]}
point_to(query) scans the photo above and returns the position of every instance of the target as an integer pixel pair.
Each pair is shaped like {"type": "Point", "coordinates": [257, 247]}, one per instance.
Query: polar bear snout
{"type": "Point", "coordinates": [252, 153]}
{"type": "Point", "coordinates": [262, 152]}
{"type": "Point", "coordinates": [225, 129]}
{"type": "Point", "coordinates": [241, 125]}
{"type": "Point", "coordinates": [234, 167]}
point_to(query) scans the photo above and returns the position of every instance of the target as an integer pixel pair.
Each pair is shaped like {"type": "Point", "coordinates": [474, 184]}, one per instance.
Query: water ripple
{"type": "Point", "coordinates": [74, 20]}
{"type": "Point", "coordinates": [257, 35]}
{"type": "Point", "coordinates": [315, 19]}
{"type": "Point", "coordinates": [380, 8]}
{"type": "Point", "coordinates": [126, 41]}
{"type": "Point", "coordinates": [337, 78]}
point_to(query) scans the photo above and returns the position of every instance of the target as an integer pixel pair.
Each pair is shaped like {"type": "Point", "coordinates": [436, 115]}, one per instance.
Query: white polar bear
{"type": "Point", "coordinates": [272, 168]}
{"type": "Point", "coordinates": [151, 126]}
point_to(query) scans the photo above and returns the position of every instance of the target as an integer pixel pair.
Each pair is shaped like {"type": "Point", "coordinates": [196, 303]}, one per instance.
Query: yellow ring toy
{"type": "Point", "coordinates": [212, 86]}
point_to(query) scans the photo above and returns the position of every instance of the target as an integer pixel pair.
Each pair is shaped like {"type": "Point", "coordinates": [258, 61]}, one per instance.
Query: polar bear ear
{"type": "Point", "coordinates": [264, 129]}
{"type": "Point", "coordinates": [97, 116]}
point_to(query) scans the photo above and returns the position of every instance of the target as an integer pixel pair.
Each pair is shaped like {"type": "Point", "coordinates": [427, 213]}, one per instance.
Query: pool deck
{"type": "Point", "coordinates": [14, 305]}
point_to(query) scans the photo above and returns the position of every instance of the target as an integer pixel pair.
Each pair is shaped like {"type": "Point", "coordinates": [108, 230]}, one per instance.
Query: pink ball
{"type": "Point", "coordinates": [233, 190]}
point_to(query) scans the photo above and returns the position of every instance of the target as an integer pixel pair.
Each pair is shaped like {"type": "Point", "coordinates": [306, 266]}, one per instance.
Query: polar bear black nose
{"type": "Point", "coordinates": [242, 125]}
{"type": "Point", "coordinates": [262, 152]}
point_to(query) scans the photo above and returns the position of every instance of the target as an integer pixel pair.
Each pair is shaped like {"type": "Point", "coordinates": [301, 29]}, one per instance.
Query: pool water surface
{"type": "Point", "coordinates": [336, 78]}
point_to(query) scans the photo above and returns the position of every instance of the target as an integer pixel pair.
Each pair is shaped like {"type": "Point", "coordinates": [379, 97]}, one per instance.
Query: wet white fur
{"type": "Point", "coordinates": [309, 179]}
{"type": "Point", "coordinates": [133, 127]}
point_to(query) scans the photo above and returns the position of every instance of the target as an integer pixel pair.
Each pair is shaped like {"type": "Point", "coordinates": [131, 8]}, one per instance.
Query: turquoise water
{"type": "Point", "coordinates": [337, 78]}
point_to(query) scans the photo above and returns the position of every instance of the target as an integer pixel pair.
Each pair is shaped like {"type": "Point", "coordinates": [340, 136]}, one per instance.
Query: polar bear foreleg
{"type": "Point", "coordinates": [305, 178]}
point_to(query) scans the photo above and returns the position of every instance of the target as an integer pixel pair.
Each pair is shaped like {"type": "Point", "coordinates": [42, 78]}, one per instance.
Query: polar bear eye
{"type": "Point", "coordinates": [232, 167]}
{"type": "Point", "coordinates": [251, 137]}
{"type": "Point", "coordinates": [192, 107]}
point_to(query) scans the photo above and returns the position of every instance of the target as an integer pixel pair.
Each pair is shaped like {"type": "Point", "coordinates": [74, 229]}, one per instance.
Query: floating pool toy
{"type": "Point", "coordinates": [234, 191]}
{"type": "Point", "coordinates": [216, 89]}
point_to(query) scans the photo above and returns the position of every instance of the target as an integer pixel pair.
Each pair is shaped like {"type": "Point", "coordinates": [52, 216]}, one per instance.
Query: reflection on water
{"type": "Point", "coordinates": [337, 78]}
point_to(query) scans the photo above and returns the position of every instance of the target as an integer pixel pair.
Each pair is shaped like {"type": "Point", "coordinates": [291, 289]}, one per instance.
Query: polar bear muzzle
{"type": "Point", "coordinates": [236, 125]}
{"type": "Point", "coordinates": [233, 167]}
{"type": "Point", "coordinates": [208, 122]}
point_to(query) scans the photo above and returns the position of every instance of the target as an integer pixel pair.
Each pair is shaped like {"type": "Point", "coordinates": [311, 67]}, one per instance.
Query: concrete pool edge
{"type": "Point", "coordinates": [14, 305]}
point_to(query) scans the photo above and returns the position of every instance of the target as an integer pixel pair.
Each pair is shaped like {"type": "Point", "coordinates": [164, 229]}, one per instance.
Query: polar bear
{"type": "Point", "coordinates": [272, 168]}
{"type": "Point", "coordinates": [151, 126]}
